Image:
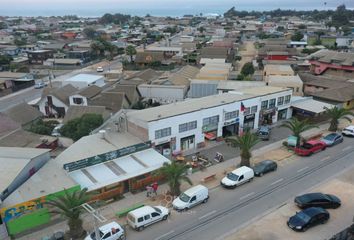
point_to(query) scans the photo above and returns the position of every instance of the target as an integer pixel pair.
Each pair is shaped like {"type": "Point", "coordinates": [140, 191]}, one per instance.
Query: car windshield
{"type": "Point", "coordinates": [232, 176]}
{"type": "Point", "coordinates": [307, 146]}
{"type": "Point", "coordinates": [303, 216]}
{"type": "Point", "coordinates": [260, 166]}
{"type": "Point", "coordinates": [184, 197]}
{"type": "Point", "coordinates": [93, 235]}
{"type": "Point", "coordinates": [330, 137]}
{"type": "Point", "coordinates": [263, 133]}
{"type": "Point", "coordinates": [157, 209]}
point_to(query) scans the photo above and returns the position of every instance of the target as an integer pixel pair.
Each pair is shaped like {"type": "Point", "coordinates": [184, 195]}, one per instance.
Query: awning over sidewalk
{"type": "Point", "coordinates": [118, 170]}
{"type": "Point", "coordinates": [311, 105]}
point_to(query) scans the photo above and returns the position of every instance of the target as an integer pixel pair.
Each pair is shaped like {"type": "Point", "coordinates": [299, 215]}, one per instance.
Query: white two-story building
{"type": "Point", "coordinates": [193, 123]}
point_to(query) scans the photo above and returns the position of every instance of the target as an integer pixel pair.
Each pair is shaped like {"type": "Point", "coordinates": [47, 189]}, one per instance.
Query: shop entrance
{"type": "Point", "coordinates": [164, 148]}
{"type": "Point", "coordinates": [230, 130]}
{"type": "Point", "coordinates": [188, 143]}
{"type": "Point", "coordinates": [248, 122]}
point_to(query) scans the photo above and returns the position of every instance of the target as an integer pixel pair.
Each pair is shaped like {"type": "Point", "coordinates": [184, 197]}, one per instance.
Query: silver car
{"type": "Point", "coordinates": [332, 139]}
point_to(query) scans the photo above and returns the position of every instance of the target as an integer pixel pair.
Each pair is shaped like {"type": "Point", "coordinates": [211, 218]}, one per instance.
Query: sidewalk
{"type": "Point", "coordinates": [108, 211]}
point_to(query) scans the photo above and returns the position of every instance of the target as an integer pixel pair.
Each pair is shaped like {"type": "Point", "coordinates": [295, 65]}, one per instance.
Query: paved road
{"type": "Point", "coordinates": [229, 210]}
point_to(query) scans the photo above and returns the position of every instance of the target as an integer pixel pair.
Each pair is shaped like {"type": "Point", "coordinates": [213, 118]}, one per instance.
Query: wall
{"type": "Point", "coordinates": [56, 102]}
{"type": "Point", "coordinates": [35, 164]}
{"type": "Point", "coordinates": [163, 93]}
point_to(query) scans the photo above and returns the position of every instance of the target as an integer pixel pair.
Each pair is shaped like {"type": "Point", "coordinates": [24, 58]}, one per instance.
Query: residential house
{"type": "Point", "coordinates": [39, 56]}
{"type": "Point", "coordinates": [112, 101]}
{"type": "Point", "coordinates": [55, 101]}
{"type": "Point", "coordinates": [78, 111]}
{"type": "Point", "coordinates": [342, 97]}
{"type": "Point", "coordinates": [145, 76]}
{"type": "Point", "coordinates": [145, 58]}
{"type": "Point", "coordinates": [277, 70]}
{"type": "Point", "coordinates": [83, 96]}
{"type": "Point", "coordinates": [216, 53]}
{"type": "Point", "coordinates": [293, 82]}
{"type": "Point", "coordinates": [23, 114]}
{"type": "Point", "coordinates": [83, 80]}
{"type": "Point", "coordinates": [131, 91]}
{"type": "Point", "coordinates": [14, 81]}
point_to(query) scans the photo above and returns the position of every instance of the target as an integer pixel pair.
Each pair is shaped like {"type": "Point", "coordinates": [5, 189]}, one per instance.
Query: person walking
{"type": "Point", "coordinates": [155, 186]}
{"type": "Point", "coordinates": [149, 190]}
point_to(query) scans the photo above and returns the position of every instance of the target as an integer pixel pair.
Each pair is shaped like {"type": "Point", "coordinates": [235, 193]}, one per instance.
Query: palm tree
{"type": "Point", "coordinates": [130, 51]}
{"type": "Point", "coordinates": [335, 114]}
{"type": "Point", "coordinates": [69, 206]}
{"type": "Point", "coordinates": [245, 142]}
{"type": "Point", "coordinates": [297, 127]}
{"type": "Point", "coordinates": [175, 173]}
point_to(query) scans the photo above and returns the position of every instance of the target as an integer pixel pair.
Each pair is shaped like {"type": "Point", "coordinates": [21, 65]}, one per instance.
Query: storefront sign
{"type": "Point", "coordinates": [101, 158]}
{"type": "Point", "coordinates": [249, 117]}
{"type": "Point", "coordinates": [237, 120]}
{"type": "Point", "coordinates": [267, 111]}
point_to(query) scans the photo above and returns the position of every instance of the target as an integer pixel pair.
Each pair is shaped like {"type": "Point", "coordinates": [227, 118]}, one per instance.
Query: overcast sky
{"type": "Point", "coordinates": [188, 6]}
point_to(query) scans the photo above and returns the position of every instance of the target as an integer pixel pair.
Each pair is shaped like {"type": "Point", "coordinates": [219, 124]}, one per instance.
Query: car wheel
{"type": "Point", "coordinates": [324, 221]}
{"type": "Point", "coordinates": [122, 237]}
{"type": "Point", "coordinates": [164, 217]}
{"type": "Point", "coordinates": [141, 228]}
{"type": "Point", "coordinates": [206, 200]}
{"type": "Point", "coordinates": [304, 229]}
{"type": "Point", "coordinates": [261, 174]}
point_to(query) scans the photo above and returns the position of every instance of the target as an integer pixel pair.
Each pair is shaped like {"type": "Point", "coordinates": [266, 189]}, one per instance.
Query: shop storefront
{"type": "Point", "coordinates": [231, 128]}
{"type": "Point", "coordinates": [210, 127]}
{"type": "Point", "coordinates": [248, 122]}
{"type": "Point", "coordinates": [266, 116]}
{"type": "Point", "coordinates": [164, 148]}
{"type": "Point", "coordinates": [188, 143]}
{"type": "Point", "coordinates": [282, 114]}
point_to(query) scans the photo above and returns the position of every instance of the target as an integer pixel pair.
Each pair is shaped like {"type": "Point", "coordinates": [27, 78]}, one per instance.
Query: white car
{"type": "Point", "coordinates": [237, 177]}
{"type": "Point", "coordinates": [146, 215]}
{"type": "Point", "coordinates": [190, 198]}
{"type": "Point", "coordinates": [100, 69]}
{"type": "Point", "coordinates": [110, 231]}
{"type": "Point", "coordinates": [348, 131]}
{"type": "Point", "coordinates": [39, 85]}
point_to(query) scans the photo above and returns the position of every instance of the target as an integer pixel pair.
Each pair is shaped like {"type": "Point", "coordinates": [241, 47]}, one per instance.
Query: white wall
{"type": "Point", "coordinates": [82, 84]}
{"type": "Point", "coordinates": [163, 93]}
{"type": "Point", "coordinates": [56, 102]}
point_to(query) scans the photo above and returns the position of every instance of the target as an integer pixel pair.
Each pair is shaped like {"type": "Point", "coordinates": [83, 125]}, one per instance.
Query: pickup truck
{"type": "Point", "coordinates": [310, 147]}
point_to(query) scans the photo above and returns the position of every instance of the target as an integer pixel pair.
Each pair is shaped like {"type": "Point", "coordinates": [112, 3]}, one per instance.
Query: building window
{"type": "Point", "coordinates": [247, 111]}
{"type": "Point", "coordinates": [187, 126]}
{"type": "Point", "coordinates": [231, 115]}
{"type": "Point", "coordinates": [280, 101]}
{"type": "Point", "coordinates": [162, 133]}
{"type": "Point", "coordinates": [211, 120]}
{"type": "Point", "coordinates": [272, 103]}
{"type": "Point", "coordinates": [287, 99]}
{"type": "Point", "coordinates": [264, 104]}
{"type": "Point", "coordinates": [254, 109]}
{"type": "Point", "coordinates": [77, 101]}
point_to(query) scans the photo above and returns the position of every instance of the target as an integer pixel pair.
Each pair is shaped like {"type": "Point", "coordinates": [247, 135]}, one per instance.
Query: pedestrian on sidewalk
{"type": "Point", "coordinates": [155, 186]}
{"type": "Point", "coordinates": [149, 190]}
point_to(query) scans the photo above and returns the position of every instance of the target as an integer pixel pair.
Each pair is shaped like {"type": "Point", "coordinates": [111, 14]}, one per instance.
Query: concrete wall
{"type": "Point", "coordinates": [165, 94]}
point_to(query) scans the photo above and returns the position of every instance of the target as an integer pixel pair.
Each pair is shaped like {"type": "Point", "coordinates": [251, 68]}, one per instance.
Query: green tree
{"type": "Point", "coordinates": [297, 127]}
{"type": "Point", "coordinates": [130, 51]}
{"type": "Point", "coordinates": [90, 32]}
{"type": "Point", "coordinates": [174, 173]}
{"type": "Point", "coordinates": [80, 127]}
{"type": "Point", "coordinates": [247, 69]}
{"type": "Point", "coordinates": [335, 114]}
{"type": "Point", "coordinates": [69, 207]}
{"type": "Point", "coordinates": [298, 36]}
{"type": "Point", "coordinates": [245, 142]}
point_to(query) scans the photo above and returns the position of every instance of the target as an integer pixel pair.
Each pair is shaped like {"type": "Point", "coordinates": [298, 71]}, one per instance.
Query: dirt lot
{"type": "Point", "coordinates": [273, 226]}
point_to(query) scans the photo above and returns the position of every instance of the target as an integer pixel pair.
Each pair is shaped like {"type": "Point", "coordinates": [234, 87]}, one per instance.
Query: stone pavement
{"type": "Point", "coordinates": [220, 169]}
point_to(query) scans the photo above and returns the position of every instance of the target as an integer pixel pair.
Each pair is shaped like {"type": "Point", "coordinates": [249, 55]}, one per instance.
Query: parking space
{"type": "Point", "coordinates": [273, 225]}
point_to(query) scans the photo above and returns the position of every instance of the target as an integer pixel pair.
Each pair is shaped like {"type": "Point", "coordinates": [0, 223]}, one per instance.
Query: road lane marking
{"type": "Point", "coordinates": [302, 169]}
{"type": "Point", "coordinates": [346, 148]}
{"type": "Point", "coordinates": [325, 158]}
{"type": "Point", "coordinates": [208, 214]}
{"type": "Point", "coordinates": [277, 181]}
{"type": "Point", "coordinates": [164, 235]}
{"type": "Point", "coordinates": [247, 195]}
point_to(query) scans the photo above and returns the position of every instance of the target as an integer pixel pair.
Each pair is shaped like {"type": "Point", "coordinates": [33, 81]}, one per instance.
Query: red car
{"type": "Point", "coordinates": [310, 147]}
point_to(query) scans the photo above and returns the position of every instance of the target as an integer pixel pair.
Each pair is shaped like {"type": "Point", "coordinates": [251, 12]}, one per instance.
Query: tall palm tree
{"type": "Point", "coordinates": [297, 127]}
{"type": "Point", "coordinates": [245, 142]}
{"type": "Point", "coordinates": [335, 114]}
{"type": "Point", "coordinates": [130, 51]}
{"type": "Point", "coordinates": [69, 206]}
{"type": "Point", "coordinates": [175, 173]}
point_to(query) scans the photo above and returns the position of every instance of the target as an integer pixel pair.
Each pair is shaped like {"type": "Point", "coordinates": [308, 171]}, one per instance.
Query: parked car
{"type": "Point", "coordinates": [332, 139]}
{"type": "Point", "coordinates": [348, 131]}
{"type": "Point", "coordinates": [147, 215]}
{"type": "Point", "coordinates": [264, 132]}
{"type": "Point", "coordinates": [110, 231]}
{"type": "Point", "coordinates": [317, 200]}
{"type": "Point", "coordinates": [39, 85]}
{"type": "Point", "coordinates": [310, 147]}
{"type": "Point", "coordinates": [100, 69]}
{"type": "Point", "coordinates": [264, 167]}
{"type": "Point", "coordinates": [307, 218]}
{"type": "Point", "coordinates": [237, 177]}
{"type": "Point", "coordinates": [191, 197]}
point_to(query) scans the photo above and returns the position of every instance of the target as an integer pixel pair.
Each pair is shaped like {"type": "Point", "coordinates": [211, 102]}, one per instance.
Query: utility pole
{"type": "Point", "coordinates": [97, 217]}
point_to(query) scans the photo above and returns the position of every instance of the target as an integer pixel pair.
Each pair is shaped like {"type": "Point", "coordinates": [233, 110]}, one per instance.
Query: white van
{"type": "Point", "coordinates": [110, 231]}
{"type": "Point", "coordinates": [237, 177]}
{"type": "Point", "coordinates": [144, 216]}
{"type": "Point", "coordinates": [191, 197]}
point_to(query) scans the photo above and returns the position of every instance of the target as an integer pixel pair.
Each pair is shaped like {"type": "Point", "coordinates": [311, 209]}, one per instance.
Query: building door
{"type": "Point", "coordinates": [188, 143]}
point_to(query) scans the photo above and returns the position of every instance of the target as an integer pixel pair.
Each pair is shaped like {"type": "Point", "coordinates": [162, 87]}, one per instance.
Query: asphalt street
{"type": "Point", "coordinates": [229, 210]}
